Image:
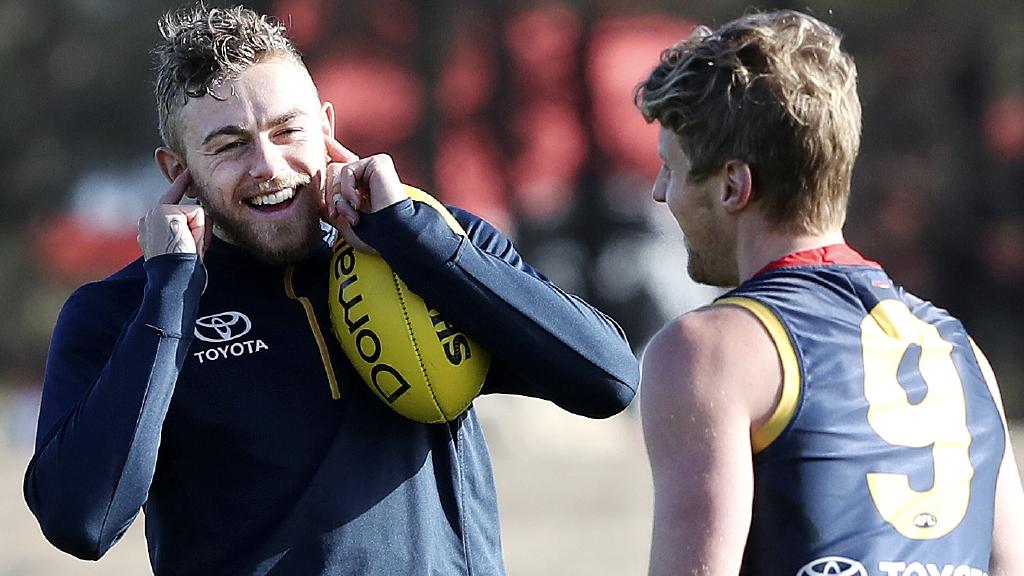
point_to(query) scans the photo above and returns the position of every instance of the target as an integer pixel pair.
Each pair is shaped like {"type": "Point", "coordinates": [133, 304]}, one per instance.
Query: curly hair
{"type": "Point", "coordinates": [203, 47]}
{"type": "Point", "coordinates": [774, 90]}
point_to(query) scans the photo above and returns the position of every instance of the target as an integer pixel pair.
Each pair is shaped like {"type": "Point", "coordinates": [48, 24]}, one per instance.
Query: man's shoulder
{"type": "Point", "coordinates": [715, 352]}
{"type": "Point", "coordinates": [476, 227]}
{"type": "Point", "coordinates": [121, 290]}
{"type": "Point", "coordinates": [486, 235]}
{"type": "Point", "coordinates": [708, 340]}
{"type": "Point", "coordinates": [710, 326]}
{"type": "Point", "coordinates": [132, 275]}
{"type": "Point", "coordinates": [95, 313]}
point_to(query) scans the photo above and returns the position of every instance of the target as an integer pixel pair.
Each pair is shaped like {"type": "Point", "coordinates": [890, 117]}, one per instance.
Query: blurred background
{"type": "Point", "coordinates": [521, 112]}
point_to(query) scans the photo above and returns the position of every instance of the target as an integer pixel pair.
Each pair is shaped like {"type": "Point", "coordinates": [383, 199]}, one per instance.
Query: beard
{"type": "Point", "coordinates": [705, 272]}
{"type": "Point", "coordinates": [275, 241]}
{"type": "Point", "coordinates": [713, 263]}
{"type": "Point", "coordinates": [710, 245]}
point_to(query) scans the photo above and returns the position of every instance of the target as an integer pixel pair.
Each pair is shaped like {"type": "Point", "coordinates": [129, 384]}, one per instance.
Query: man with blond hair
{"type": "Point", "coordinates": [817, 419]}
{"type": "Point", "coordinates": [201, 383]}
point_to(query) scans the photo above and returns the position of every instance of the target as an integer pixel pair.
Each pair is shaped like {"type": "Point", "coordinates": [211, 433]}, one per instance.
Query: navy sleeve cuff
{"type": "Point", "coordinates": [174, 283]}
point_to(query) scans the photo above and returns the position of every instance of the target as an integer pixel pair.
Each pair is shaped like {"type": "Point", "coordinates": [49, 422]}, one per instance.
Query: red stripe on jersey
{"type": "Point", "coordinates": [831, 254]}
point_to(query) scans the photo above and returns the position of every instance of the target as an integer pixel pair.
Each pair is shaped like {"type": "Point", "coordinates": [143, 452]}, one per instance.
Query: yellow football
{"type": "Point", "coordinates": [405, 351]}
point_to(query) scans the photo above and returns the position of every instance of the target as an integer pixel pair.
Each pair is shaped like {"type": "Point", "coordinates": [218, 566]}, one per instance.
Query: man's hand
{"type": "Point", "coordinates": [354, 185]}
{"type": "Point", "coordinates": [172, 227]}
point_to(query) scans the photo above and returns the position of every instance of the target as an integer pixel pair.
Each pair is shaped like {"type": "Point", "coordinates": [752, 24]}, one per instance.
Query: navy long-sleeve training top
{"type": "Point", "coordinates": [234, 420]}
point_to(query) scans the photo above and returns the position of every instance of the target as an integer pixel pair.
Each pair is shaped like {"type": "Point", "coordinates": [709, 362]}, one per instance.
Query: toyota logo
{"type": "Point", "coordinates": [833, 566]}
{"type": "Point", "coordinates": [222, 327]}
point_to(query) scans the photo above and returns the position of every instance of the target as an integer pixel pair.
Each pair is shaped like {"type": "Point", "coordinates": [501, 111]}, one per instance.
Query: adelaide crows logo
{"type": "Point", "coordinates": [833, 566]}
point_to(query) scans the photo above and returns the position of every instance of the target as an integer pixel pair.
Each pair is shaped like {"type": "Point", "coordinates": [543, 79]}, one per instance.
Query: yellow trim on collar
{"type": "Point", "coordinates": [791, 385]}
{"type": "Point", "coordinates": [325, 355]}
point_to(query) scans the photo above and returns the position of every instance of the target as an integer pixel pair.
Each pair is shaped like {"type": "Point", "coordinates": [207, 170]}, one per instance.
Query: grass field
{"type": "Point", "coordinates": [575, 498]}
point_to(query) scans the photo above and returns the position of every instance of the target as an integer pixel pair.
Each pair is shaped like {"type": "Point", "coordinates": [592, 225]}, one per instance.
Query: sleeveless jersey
{"type": "Point", "coordinates": [882, 456]}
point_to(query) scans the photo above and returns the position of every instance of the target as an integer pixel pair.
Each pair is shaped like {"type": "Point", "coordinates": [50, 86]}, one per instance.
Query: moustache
{"type": "Point", "coordinates": [293, 180]}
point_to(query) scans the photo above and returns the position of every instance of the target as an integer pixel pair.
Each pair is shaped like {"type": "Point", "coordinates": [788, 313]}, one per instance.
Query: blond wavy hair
{"type": "Point", "coordinates": [774, 90]}
{"type": "Point", "coordinates": [201, 48]}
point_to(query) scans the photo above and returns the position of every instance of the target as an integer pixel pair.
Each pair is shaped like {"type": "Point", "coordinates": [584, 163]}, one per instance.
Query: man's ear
{"type": "Point", "coordinates": [738, 185]}
{"type": "Point", "coordinates": [327, 118]}
{"type": "Point", "coordinates": [171, 165]}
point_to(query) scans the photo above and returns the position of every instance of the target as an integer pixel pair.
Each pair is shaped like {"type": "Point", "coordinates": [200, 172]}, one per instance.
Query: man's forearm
{"type": "Point", "coordinates": [564, 349]}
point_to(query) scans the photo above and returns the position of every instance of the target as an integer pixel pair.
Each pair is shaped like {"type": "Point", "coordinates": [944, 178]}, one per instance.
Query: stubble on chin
{"type": "Point", "coordinates": [711, 270]}
{"type": "Point", "coordinates": [716, 278]}
{"type": "Point", "coordinates": [287, 244]}
{"type": "Point", "coordinates": [277, 244]}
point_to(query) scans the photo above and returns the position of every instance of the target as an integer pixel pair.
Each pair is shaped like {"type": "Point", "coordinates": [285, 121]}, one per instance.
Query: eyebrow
{"type": "Point", "coordinates": [236, 130]}
{"type": "Point", "coordinates": [230, 130]}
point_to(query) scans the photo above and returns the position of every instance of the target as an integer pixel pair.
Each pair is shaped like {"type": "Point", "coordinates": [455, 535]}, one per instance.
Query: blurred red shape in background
{"type": "Point", "coordinates": [623, 50]}
{"type": "Point", "coordinates": [304, 19]}
{"type": "Point", "coordinates": [71, 251]}
{"type": "Point", "coordinates": [470, 173]}
{"type": "Point", "coordinates": [553, 149]}
{"type": "Point", "coordinates": [377, 102]}
{"type": "Point", "coordinates": [467, 79]}
{"type": "Point", "coordinates": [1004, 127]}
{"type": "Point", "coordinates": [544, 44]}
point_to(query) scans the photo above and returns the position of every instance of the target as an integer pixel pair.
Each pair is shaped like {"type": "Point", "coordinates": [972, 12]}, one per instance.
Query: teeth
{"type": "Point", "coordinates": [272, 199]}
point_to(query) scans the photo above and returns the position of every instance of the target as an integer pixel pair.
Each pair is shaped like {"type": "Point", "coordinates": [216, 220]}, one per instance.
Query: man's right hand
{"type": "Point", "coordinates": [172, 227]}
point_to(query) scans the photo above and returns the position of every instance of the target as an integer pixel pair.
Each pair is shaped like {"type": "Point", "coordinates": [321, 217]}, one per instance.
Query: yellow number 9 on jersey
{"type": "Point", "coordinates": [405, 351]}
{"type": "Point", "coordinates": [938, 421]}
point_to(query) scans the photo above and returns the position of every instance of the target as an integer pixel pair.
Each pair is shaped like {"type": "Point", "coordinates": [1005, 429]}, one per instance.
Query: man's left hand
{"type": "Point", "coordinates": [354, 185]}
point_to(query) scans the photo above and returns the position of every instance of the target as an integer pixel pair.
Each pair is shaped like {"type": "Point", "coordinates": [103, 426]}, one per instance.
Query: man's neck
{"type": "Point", "coordinates": [759, 245]}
